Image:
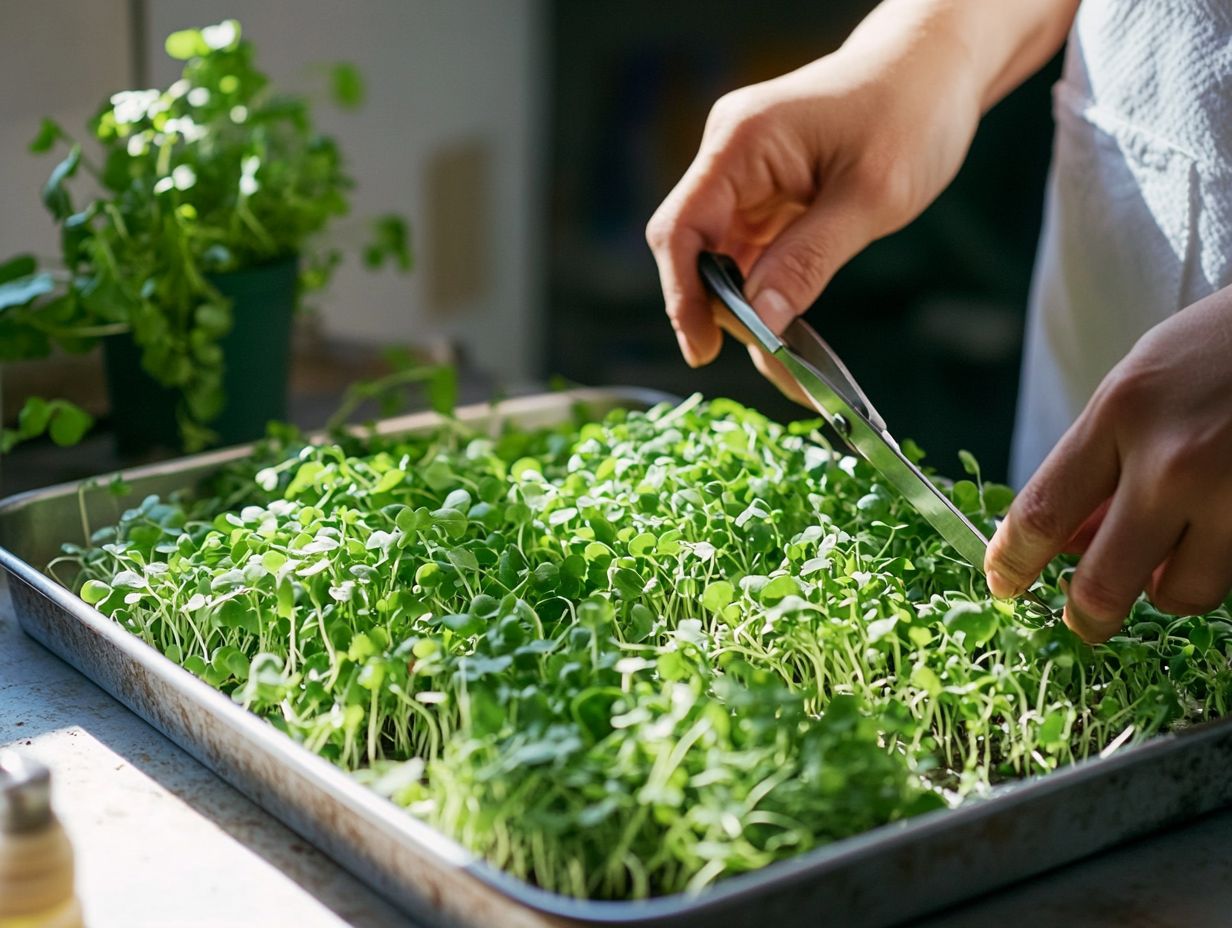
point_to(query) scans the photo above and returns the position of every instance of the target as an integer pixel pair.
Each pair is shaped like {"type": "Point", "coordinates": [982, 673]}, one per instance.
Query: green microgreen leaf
{"type": "Point", "coordinates": [633, 656]}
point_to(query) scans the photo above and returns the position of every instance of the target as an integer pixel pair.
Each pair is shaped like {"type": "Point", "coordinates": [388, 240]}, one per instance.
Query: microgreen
{"type": "Point", "coordinates": [635, 656]}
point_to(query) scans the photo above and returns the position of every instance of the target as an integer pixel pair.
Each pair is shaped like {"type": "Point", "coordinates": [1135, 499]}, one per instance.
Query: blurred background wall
{"type": "Point", "coordinates": [529, 140]}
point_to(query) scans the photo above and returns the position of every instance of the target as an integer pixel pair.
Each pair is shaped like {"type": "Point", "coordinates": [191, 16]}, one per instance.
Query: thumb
{"type": "Point", "coordinates": [796, 266]}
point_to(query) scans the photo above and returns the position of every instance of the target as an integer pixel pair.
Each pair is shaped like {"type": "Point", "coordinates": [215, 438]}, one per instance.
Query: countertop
{"type": "Point", "coordinates": [162, 843]}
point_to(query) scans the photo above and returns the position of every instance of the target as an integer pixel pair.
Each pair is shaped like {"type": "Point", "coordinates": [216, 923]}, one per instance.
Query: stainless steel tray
{"type": "Point", "coordinates": [875, 879]}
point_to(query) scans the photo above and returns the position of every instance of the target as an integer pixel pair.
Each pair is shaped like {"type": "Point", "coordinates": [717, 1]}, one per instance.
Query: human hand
{"type": "Point", "coordinates": [1141, 483]}
{"type": "Point", "coordinates": [797, 174]}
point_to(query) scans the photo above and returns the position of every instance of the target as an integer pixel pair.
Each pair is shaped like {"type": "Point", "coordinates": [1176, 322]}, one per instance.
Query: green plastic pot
{"type": "Point", "coordinates": [257, 358]}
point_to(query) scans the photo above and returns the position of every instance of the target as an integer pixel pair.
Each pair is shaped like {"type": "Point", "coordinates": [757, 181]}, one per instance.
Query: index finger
{"type": "Point", "coordinates": [1075, 479]}
{"type": "Point", "coordinates": [692, 218]}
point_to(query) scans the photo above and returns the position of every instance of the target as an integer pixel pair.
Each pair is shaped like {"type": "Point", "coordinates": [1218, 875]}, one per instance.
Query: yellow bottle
{"type": "Point", "coordinates": [36, 859]}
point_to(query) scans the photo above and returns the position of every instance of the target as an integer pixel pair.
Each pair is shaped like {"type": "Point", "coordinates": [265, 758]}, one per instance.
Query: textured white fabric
{"type": "Point", "coordinates": [1138, 218]}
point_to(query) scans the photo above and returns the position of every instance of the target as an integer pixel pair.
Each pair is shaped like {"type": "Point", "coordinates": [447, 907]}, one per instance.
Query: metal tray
{"type": "Point", "coordinates": [875, 879]}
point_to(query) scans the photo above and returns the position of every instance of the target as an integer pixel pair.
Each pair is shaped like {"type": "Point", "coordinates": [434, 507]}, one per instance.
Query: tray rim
{"type": "Point", "coordinates": [786, 872]}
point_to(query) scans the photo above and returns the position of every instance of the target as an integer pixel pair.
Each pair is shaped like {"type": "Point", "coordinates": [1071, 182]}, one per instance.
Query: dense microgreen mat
{"type": "Point", "coordinates": [630, 657]}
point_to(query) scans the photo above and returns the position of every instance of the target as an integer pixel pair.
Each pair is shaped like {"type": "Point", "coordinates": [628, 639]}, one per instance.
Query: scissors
{"type": "Point", "coordinates": [829, 386]}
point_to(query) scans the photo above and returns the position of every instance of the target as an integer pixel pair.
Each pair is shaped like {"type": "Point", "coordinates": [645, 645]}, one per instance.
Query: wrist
{"type": "Point", "coordinates": [985, 49]}
{"type": "Point", "coordinates": [919, 52]}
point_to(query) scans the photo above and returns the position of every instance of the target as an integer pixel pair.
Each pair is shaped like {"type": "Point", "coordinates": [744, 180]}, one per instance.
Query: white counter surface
{"type": "Point", "coordinates": [161, 842]}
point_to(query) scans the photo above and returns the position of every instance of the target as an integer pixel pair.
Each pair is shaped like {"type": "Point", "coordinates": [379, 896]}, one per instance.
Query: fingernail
{"type": "Point", "coordinates": [774, 309]}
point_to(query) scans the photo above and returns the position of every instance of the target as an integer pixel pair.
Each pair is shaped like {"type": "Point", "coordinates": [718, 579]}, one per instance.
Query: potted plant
{"type": "Point", "coordinates": [188, 260]}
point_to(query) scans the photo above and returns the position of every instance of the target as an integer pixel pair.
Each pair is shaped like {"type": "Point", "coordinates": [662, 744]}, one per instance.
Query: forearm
{"type": "Point", "coordinates": [994, 44]}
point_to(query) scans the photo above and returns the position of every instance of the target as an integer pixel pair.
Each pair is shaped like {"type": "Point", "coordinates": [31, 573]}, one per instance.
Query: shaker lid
{"type": "Point", "coordinates": [25, 793]}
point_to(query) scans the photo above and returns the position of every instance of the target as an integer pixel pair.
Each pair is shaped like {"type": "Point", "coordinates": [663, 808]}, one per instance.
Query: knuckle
{"type": "Point", "coordinates": [801, 264]}
{"type": "Point", "coordinates": [1125, 392]}
{"type": "Point", "coordinates": [1176, 467]}
{"type": "Point", "coordinates": [659, 230]}
{"type": "Point", "coordinates": [1097, 598]}
{"type": "Point", "coordinates": [1168, 598]}
{"type": "Point", "coordinates": [729, 110]}
{"type": "Point", "coordinates": [735, 119]}
{"type": "Point", "coordinates": [1036, 516]}
{"type": "Point", "coordinates": [883, 180]}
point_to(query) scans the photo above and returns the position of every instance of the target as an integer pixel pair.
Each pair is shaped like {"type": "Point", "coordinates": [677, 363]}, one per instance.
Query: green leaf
{"type": "Point", "coordinates": [95, 591]}
{"type": "Point", "coordinates": [361, 647]}
{"type": "Point", "coordinates": [1202, 636]}
{"type": "Point", "coordinates": [24, 290]}
{"type": "Point", "coordinates": [214, 319]}
{"type": "Point", "coordinates": [186, 44]}
{"type": "Point", "coordinates": [19, 266]}
{"type": "Point", "coordinates": [997, 498]}
{"type": "Point", "coordinates": [718, 596]}
{"type": "Point", "coordinates": [304, 478]}
{"type": "Point", "coordinates": [69, 423]}
{"type": "Point", "coordinates": [443, 390]}
{"type": "Point", "coordinates": [62, 420]}
{"type": "Point", "coordinates": [523, 467]}
{"type": "Point", "coordinates": [450, 521]}
{"type": "Point", "coordinates": [628, 582]}
{"type": "Point", "coordinates": [976, 622]}
{"type": "Point", "coordinates": [671, 666]}
{"type": "Point", "coordinates": [970, 465]}
{"type": "Point", "coordinates": [926, 679]}
{"type": "Point", "coordinates": [49, 131]}
{"type": "Point", "coordinates": [879, 628]}
{"type": "Point", "coordinates": [34, 416]}
{"type": "Point", "coordinates": [273, 561]}
{"type": "Point", "coordinates": [410, 520]}
{"type": "Point", "coordinates": [913, 452]}
{"type": "Point", "coordinates": [55, 196]}
{"type": "Point", "coordinates": [463, 560]}
{"type": "Point", "coordinates": [778, 588]}
{"type": "Point", "coordinates": [390, 242]}
{"type": "Point", "coordinates": [966, 495]}
{"type": "Point", "coordinates": [642, 544]}
{"type": "Point", "coordinates": [1050, 730]}
{"type": "Point", "coordinates": [286, 598]}
{"type": "Point", "coordinates": [389, 480]}
{"type": "Point", "coordinates": [346, 85]}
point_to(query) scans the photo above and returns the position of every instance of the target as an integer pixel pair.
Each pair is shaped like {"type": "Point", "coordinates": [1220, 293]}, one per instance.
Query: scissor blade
{"type": "Point", "coordinates": [873, 443]}
{"type": "Point", "coordinates": [883, 453]}
{"type": "Point", "coordinates": [722, 275]}
{"type": "Point", "coordinates": [923, 495]}
{"type": "Point", "coordinates": [803, 339]}
{"type": "Point", "coordinates": [836, 395]}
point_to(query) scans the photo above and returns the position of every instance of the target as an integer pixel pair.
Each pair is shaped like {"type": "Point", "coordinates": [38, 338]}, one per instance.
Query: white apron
{"type": "Point", "coordinates": [1138, 217]}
